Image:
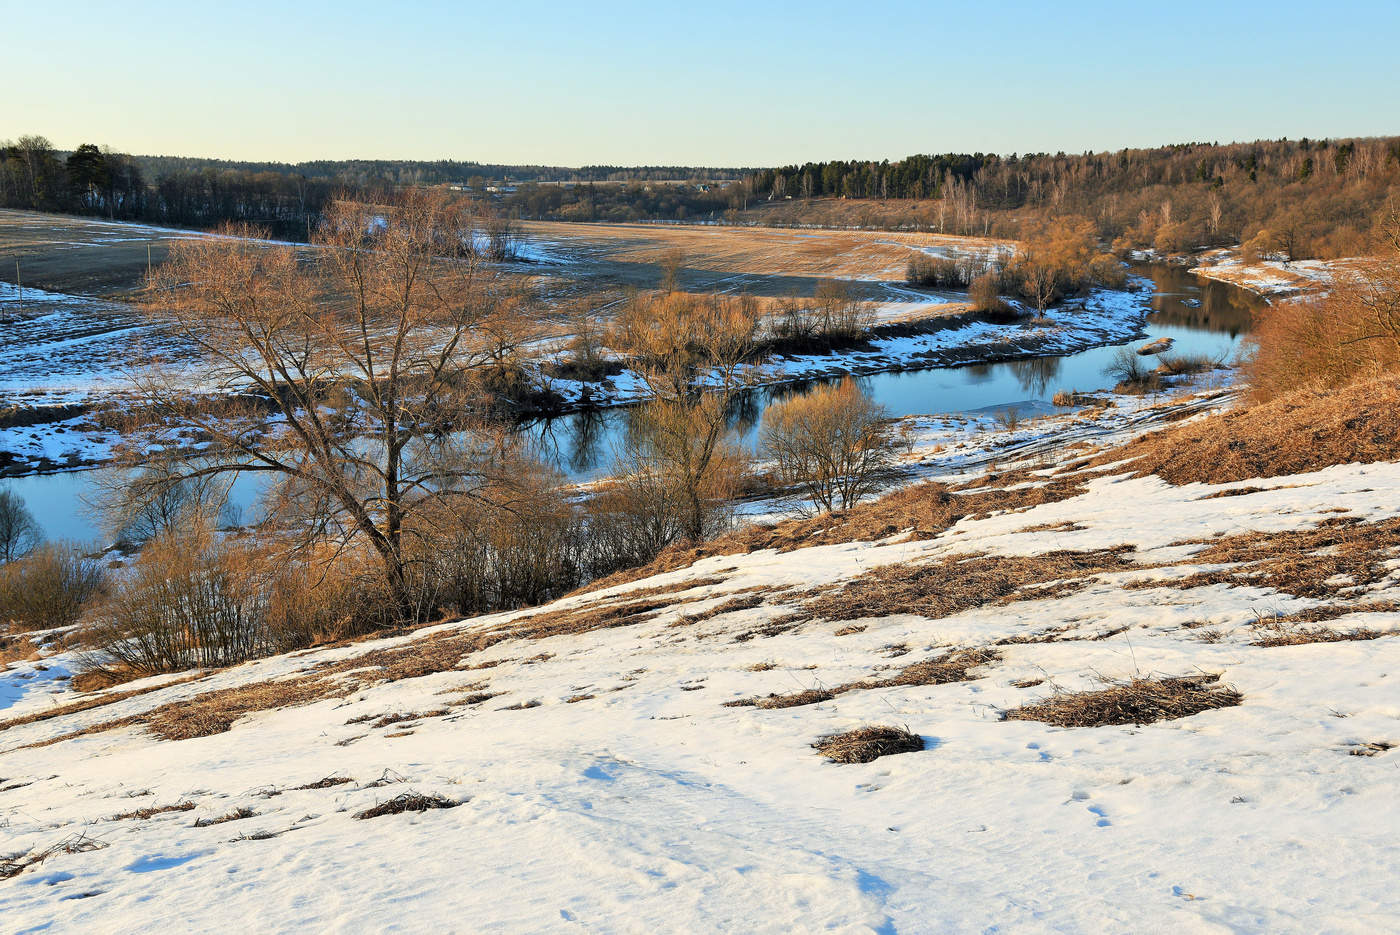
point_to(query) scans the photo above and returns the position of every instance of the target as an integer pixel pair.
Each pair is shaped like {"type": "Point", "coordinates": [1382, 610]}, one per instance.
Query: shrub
{"type": "Point", "coordinates": [191, 601]}
{"type": "Point", "coordinates": [983, 292]}
{"type": "Point", "coordinates": [1351, 334]}
{"type": "Point", "coordinates": [1131, 372]}
{"type": "Point", "coordinates": [50, 587]}
{"type": "Point", "coordinates": [834, 443]}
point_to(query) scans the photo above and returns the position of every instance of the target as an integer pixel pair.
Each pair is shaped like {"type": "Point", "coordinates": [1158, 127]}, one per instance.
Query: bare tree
{"type": "Point", "coordinates": [833, 442]}
{"type": "Point", "coordinates": [19, 533]}
{"type": "Point", "coordinates": [346, 374]}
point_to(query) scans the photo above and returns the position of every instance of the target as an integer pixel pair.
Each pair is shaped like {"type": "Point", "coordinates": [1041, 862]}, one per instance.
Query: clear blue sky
{"type": "Point", "coordinates": [571, 83]}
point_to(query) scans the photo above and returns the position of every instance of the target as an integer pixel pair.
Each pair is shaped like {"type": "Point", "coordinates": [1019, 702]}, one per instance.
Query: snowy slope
{"type": "Point", "coordinates": [644, 804]}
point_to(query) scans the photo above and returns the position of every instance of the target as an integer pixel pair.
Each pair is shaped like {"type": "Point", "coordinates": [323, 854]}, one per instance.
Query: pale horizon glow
{"type": "Point", "coordinates": [727, 84]}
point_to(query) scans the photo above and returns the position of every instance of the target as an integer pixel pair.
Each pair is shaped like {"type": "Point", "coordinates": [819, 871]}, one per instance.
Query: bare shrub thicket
{"type": "Point", "coordinates": [834, 443]}
{"type": "Point", "coordinates": [49, 587]}
{"type": "Point", "coordinates": [19, 532]}
{"type": "Point", "coordinates": [833, 316]}
{"type": "Point", "coordinates": [1055, 259]}
{"type": "Point", "coordinates": [190, 601]}
{"type": "Point", "coordinates": [691, 351]}
{"type": "Point", "coordinates": [1350, 334]}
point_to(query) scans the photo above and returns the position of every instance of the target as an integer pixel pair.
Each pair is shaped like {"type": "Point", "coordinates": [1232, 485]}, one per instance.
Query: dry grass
{"type": "Point", "coordinates": [78, 843]}
{"type": "Point", "coordinates": [1282, 636]}
{"type": "Point", "coordinates": [919, 511]}
{"type": "Point", "coordinates": [326, 783]}
{"type": "Point", "coordinates": [407, 802]}
{"type": "Point", "coordinates": [238, 814]}
{"type": "Point", "coordinates": [866, 744]}
{"type": "Point", "coordinates": [1294, 434]}
{"type": "Point", "coordinates": [960, 582]}
{"type": "Point", "coordinates": [1374, 748]}
{"type": "Point", "coordinates": [151, 812]}
{"type": "Point", "coordinates": [1338, 556]}
{"type": "Point", "coordinates": [955, 666]}
{"type": "Point", "coordinates": [1139, 701]}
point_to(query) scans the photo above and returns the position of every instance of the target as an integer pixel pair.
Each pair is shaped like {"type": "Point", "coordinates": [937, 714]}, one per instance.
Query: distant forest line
{"type": "Point", "coordinates": [1289, 198]}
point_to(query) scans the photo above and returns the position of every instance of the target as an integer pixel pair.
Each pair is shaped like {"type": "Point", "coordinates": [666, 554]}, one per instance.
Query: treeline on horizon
{"type": "Point", "coordinates": [285, 198]}
{"type": "Point", "coordinates": [1289, 198]}
{"type": "Point", "coordinates": [1293, 198]}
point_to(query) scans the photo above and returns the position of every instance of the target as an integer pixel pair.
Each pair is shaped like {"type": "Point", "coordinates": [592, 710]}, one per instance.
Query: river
{"type": "Point", "coordinates": [1201, 316]}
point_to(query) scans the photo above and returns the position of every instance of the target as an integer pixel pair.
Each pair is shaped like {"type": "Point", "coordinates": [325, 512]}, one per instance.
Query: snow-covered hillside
{"type": "Point", "coordinates": [639, 758]}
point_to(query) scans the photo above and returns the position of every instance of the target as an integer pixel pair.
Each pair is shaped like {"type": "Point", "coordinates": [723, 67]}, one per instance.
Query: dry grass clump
{"type": "Point", "coordinates": [152, 811]}
{"type": "Point", "coordinates": [78, 843]}
{"type": "Point", "coordinates": [407, 802]}
{"type": "Point", "coordinates": [866, 744]}
{"type": "Point", "coordinates": [326, 783]}
{"type": "Point", "coordinates": [1304, 635]}
{"type": "Point", "coordinates": [238, 814]}
{"type": "Point", "coordinates": [1303, 431]}
{"type": "Point", "coordinates": [1374, 748]}
{"type": "Point", "coordinates": [733, 605]}
{"type": "Point", "coordinates": [920, 511]}
{"type": "Point", "coordinates": [960, 582]}
{"type": "Point", "coordinates": [1338, 555]}
{"type": "Point", "coordinates": [1139, 701]}
{"type": "Point", "coordinates": [955, 666]}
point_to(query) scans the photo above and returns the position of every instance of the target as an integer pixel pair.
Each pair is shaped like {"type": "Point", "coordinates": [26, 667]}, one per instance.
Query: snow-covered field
{"type": "Point", "coordinates": [604, 786]}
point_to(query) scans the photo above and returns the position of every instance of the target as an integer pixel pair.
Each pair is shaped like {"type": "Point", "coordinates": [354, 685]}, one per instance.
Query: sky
{"type": "Point", "coordinates": [717, 84]}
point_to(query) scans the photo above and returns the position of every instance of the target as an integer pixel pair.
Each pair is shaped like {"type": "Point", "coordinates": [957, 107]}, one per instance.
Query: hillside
{"type": "Point", "coordinates": [639, 757]}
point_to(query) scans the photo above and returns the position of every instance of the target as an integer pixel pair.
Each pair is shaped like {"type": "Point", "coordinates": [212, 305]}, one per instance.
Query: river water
{"type": "Point", "coordinates": [1201, 316]}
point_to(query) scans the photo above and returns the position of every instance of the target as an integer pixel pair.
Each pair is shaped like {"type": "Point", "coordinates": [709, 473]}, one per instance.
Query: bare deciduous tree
{"type": "Point", "coordinates": [19, 533]}
{"type": "Point", "coordinates": [346, 373]}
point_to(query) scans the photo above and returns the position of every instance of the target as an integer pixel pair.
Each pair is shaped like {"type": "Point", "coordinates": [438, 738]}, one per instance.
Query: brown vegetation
{"type": "Point", "coordinates": [1338, 556]}
{"type": "Point", "coordinates": [940, 588]}
{"type": "Point", "coordinates": [834, 443]}
{"type": "Point", "coordinates": [1350, 334]}
{"type": "Point", "coordinates": [1303, 431]}
{"type": "Point", "coordinates": [866, 744]}
{"type": "Point", "coordinates": [955, 666]}
{"type": "Point", "coordinates": [407, 802]}
{"type": "Point", "coordinates": [1138, 701]}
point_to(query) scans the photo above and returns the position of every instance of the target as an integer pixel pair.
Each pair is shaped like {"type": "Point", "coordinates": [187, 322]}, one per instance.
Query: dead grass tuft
{"type": "Point", "coordinates": [78, 843]}
{"type": "Point", "coordinates": [955, 666]}
{"type": "Point", "coordinates": [1139, 701]}
{"type": "Point", "coordinates": [866, 744]}
{"type": "Point", "coordinates": [1374, 748]}
{"type": "Point", "coordinates": [145, 813]}
{"type": "Point", "coordinates": [238, 814]}
{"type": "Point", "coordinates": [950, 585]}
{"type": "Point", "coordinates": [1337, 556]}
{"type": "Point", "coordinates": [407, 802]}
{"type": "Point", "coordinates": [326, 783]}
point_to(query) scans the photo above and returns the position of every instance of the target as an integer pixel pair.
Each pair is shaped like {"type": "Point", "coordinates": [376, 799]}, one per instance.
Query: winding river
{"type": "Point", "coordinates": [1201, 316]}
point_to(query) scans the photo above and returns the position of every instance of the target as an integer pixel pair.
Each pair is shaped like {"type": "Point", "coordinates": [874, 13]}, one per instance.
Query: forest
{"type": "Point", "coordinates": [1292, 199]}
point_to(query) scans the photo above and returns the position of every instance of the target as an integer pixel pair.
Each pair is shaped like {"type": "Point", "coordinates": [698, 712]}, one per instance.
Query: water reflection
{"type": "Point", "coordinates": [1202, 317]}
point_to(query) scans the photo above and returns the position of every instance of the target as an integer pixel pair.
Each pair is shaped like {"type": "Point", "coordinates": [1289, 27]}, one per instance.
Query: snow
{"type": "Point", "coordinates": [1272, 279]}
{"type": "Point", "coordinates": [652, 807]}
